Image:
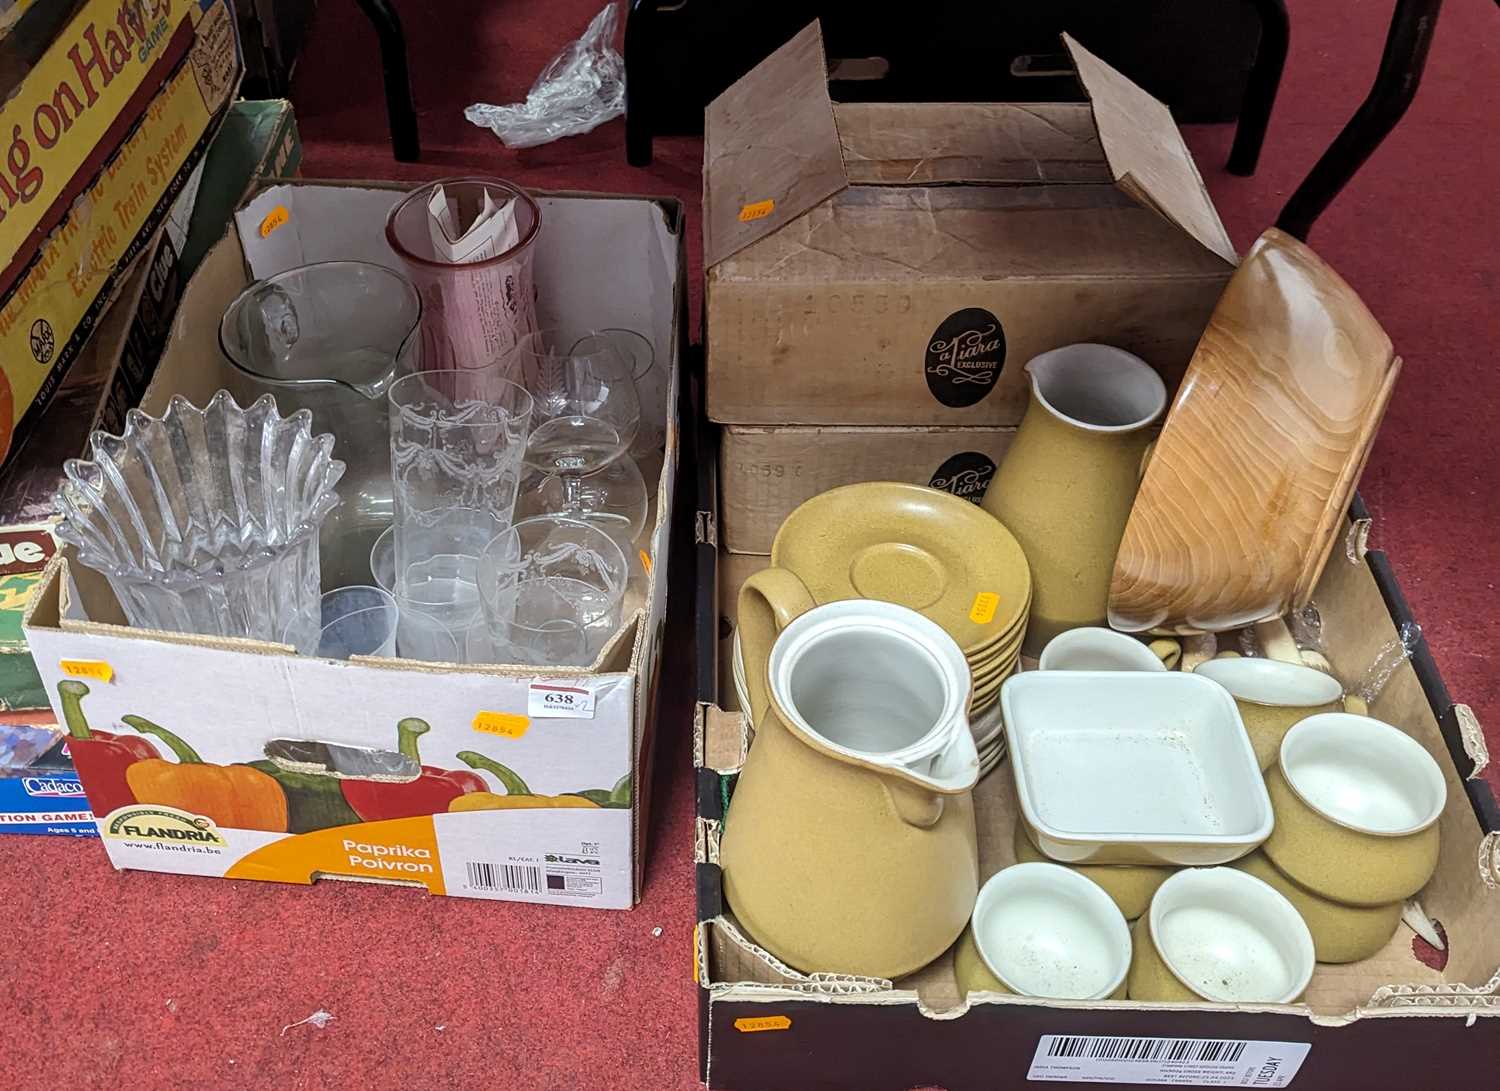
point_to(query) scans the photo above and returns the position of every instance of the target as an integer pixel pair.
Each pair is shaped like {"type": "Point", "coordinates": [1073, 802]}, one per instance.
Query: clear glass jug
{"type": "Point", "coordinates": [331, 338]}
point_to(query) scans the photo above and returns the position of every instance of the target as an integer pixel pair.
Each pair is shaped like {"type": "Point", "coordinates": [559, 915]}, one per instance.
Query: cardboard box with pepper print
{"type": "Point", "coordinates": [239, 759]}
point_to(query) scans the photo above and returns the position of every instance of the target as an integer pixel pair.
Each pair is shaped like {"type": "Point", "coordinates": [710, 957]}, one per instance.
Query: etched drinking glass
{"type": "Point", "coordinates": [552, 590]}
{"type": "Point", "coordinates": [456, 441]}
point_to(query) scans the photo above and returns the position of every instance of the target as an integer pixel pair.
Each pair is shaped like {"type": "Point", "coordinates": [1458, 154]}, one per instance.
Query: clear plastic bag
{"type": "Point", "coordinates": [579, 90]}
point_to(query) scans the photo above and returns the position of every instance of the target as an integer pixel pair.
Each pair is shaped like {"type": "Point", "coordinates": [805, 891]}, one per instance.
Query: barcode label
{"type": "Point", "coordinates": [1203, 1062]}
{"type": "Point", "coordinates": [510, 878]}
{"type": "Point", "coordinates": [1147, 1049]}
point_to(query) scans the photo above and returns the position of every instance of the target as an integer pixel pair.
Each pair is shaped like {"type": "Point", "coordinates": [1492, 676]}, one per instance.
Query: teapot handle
{"type": "Point", "coordinates": [769, 600]}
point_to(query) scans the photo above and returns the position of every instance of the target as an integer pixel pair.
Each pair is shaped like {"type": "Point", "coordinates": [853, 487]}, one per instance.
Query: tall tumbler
{"type": "Point", "coordinates": [466, 244]}
{"type": "Point", "coordinates": [457, 437]}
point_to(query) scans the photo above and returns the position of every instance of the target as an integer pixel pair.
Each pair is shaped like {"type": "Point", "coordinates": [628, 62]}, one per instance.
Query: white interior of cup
{"type": "Point", "coordinates": [1272, 682]}
{"type": "Point", "coordinates": [1099, 387]}
{"type": "Point", "coordinates": [1230, 937]}
{"type": "Point", "coordinates": [1363, 774]}
{"type": "Point", "coordinates": [1096, 649]}
{"type": "Point", "coordinates": [1044, 930]}
{"type": "Point", "coordinates": [871, 691]}
{"type": "Point", "coordinates": [870, 679]}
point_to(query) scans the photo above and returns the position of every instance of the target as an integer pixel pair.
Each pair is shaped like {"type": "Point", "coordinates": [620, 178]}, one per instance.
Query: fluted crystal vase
{"type": "Point", "coordinates": [205, 520]}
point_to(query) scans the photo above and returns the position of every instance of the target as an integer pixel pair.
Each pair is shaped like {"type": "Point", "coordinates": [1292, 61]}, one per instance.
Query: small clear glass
{"type": "Point", "coordinates": [650, 386]}
{"type": "Point", "coordinates": [423, 637]}
{"type": "Point", "coordinates": [357, 620]}
{"type": "Point", "coordinates": [479, 299]}
{"type": "Point", "coordinates": [587, 415]}
{"type": "Point", "coordinates": [546, 577]}
{"type": "Point", "coordinates": [421, 634]}
{"type": "Point", "coordinates": [540, 628]}
{"type": "Point", "coordinates": [615, 500]}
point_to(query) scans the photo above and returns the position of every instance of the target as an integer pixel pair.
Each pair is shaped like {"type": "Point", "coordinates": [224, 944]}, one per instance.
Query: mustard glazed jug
{"type": "Point", "coordinates": [849, 845]}
{"type": "Point", "coordinates": [1066, 485]}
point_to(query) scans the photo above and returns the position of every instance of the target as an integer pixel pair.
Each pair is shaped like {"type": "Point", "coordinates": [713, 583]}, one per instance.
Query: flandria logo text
{"type": "Point", "coordinates": [162, 826]}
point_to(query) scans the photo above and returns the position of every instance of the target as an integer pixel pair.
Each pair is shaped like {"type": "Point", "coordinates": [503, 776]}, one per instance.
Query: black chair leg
{"type": "Point", "coordinates": [405, 145]}
{"type": "Point", "coordinates": [639, 124]}
{"type": "Point", "coordinates": [1261, 86]}
{"type": "Point", "coordinates": [1395, 86]}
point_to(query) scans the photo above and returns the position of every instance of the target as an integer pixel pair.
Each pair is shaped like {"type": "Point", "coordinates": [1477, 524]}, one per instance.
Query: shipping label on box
{"type": "Point", "coordinates": [898, 263]}
{"type": "Point", "coordinates": [765, 473]}
{"type": "Point", "coordinates": [52, 308]}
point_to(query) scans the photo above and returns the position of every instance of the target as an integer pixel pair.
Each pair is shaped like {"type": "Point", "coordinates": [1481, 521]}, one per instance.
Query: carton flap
{"type": "Point", "coordinates": [940, 143]}
{"type": "Point", "coordinates": [1146, 152]}
{"type": "Point", "coordinates": [770, 148]}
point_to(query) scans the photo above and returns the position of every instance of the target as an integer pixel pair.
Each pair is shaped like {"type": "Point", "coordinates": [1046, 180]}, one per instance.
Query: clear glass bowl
{"type": "Point", "coordinates": [205, 520]}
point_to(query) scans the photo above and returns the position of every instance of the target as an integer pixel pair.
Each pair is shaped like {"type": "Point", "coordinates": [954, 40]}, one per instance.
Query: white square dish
{"type": "Point", "coordinates": [1133, 768]}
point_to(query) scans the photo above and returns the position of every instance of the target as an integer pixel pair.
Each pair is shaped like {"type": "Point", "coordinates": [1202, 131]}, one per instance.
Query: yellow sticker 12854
{"type": "Point", "coordinates": [508, 724]}
{"type": "Point", "coordinates": [763, 1022]}
{"type": "Point", "coordinates": [759, 210]}
{"type": "Point", "coordinates": [97, 669]}
{"type": "Point", "coordinates": [983, 610]}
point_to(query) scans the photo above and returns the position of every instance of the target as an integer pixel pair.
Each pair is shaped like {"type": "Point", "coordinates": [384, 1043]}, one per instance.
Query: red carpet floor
{"type": "Point", "coordinates": [113, 980]}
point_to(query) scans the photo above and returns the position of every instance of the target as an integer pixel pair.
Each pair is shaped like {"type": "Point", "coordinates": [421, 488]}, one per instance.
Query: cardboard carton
{"type": "Point", "coordinates": [765, 473]}
{"type": "Point", "coordinates": [54, 289]}
{"type": "Point", "coordinates": [1393, 1020]}
{"type": "Point", "coordinates": [577, 837]}
{"type": "Point", "coordinates": [880, 263]}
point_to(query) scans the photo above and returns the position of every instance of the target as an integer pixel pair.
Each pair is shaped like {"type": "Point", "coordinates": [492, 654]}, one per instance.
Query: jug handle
{"type": "Point", "coordinates": [916, 806]}
{"type": "Point", "coordinates": [1146, 454]}
{"type": "Point", "coordinates": [769, 600]}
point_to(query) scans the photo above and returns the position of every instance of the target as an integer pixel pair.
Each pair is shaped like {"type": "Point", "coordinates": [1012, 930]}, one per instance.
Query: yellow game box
{"type": "Point", "coordinates": [49, 311]}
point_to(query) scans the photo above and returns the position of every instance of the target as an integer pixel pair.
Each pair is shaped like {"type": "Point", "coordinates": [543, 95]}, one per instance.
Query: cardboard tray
{"type": "Point", "coordinates": [1389, 1021]}
{"type": "Point", "coordinates": [230, 699]}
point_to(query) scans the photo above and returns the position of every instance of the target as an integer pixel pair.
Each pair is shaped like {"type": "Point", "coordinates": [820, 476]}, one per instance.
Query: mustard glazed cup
{"type": "Point", "coordinates": [1357, 803]}
{"type": "Point", "coordinates": [1341, 933]}
{"type": "Point", "coordinates": [1043, 930]}
{"type": "Point", "coordinates": [1222, 935]}
{"type": "Point", "coordinates": [1273, 696]}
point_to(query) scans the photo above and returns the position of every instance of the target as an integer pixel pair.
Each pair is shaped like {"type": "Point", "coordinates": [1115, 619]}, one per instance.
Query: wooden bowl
{"type": "Point", "coordinates": [1245, 491]}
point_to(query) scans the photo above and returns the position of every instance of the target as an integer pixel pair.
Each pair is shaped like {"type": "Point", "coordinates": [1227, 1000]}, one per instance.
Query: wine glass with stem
{"type": "Point", "coordinates": [587, 413]}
